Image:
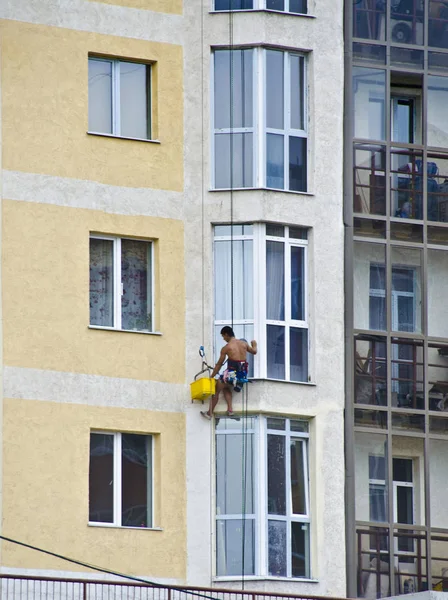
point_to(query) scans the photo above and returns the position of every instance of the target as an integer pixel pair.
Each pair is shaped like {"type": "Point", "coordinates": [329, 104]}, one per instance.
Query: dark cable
{"type": "Point", "coordinates": [107, 571]}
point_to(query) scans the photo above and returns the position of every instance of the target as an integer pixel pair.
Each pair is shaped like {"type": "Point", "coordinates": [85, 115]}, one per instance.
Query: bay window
{"type": "Point", "coordinates": [259, 119]}
{"type": "Point", "coordinates": [267, 512]}
{"type": "Point", "coordinates": [288, 6]}
{"type": "Point", "coordinates": [269, 264]}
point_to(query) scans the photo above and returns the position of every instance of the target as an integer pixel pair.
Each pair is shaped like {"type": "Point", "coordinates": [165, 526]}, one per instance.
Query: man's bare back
{"type": "Point", "coordinates": [236, 349]}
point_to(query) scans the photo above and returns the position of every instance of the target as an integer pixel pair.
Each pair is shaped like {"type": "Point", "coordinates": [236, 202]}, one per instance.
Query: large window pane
{"type": "Point", "coordinates": [406, 22]}
{"type": "Point", "coordinates": [371, 477]}
{"type": "Point", "coordinates": [299, 549]}
{"type": "Point", "coordinates": [437, 102]}
{"type": "Point", "coordinates": [239, 172]}
{"type": "Point", "coordinates": [370, 371]}
{"type": "Point", "coordinates": [438, 24]}
{"type": "Point", "coordinates": [369, 88]}
{"type": "Point", "coordinates": [233, 4]}
{"type": "Point", "coordinates": [298, 6]}
{"type": "Point", "coordinates": [298, 283]}
{"type": "Point", "coordinates": [134, 88]}
{"type": "Point", "coordinates": [370, 286]}
{"type": "Point", "coordinates": [407, 376]}
{"type": "Point", "coordinates": [101, 282]}
{"type": "Point", "coordinates": [243, 304]}
{"type": "Point", "coordinates": [101, 478]}
{"type": "Point", "coordinates": [276, 474]}
{"type": "Point", "coordinates": [275, 280]}
{"type": "Point", "coordinates": [275, 352]}
{"type": "Point", "coordinates": [369, 179]}
{"type": "Point", "coordinates": [136, 279]}
{"type": "Point", "coordinates": [275, 4]}
{"type": "Point", "coordinates": [297, 88]}
{"type": "Point", "coordinates": [136, 480]}
{"type": "Point", "coordinates": [369, 20]}
{"type": "Point", "coordinates": [100, 96]}
{"type": "Point", "coordinates": [437, 293]}
{"type": "Point", "coordinates": [229, 556]}
{"type": "Point", "coordinates": [408, 474]}
{"type": "Point", "coordinates": [406, 182]}
{"type": "Point", "coordinates": [297, 164]}
{"type": "Point", "coordinates": [275, 161]}
{"type": "Point", "coordinates": [275, 89]}
{"type": "Point", "coordinates": [231, 497]}
{"type": "Point", "coordinates": [438, 382]}
{"type": "Point", "coordinates": [406, 289]}
{"type": "Point", "coordinates": [298, 475]}
{"type": "Point", "coordinates": [437, 187]}
{"type": "Point", "coordinates": [298, 339]}
{"type": "Point", "coordinates": [277, 557]}
{"type": "Point", "coordinates": [233, 77]}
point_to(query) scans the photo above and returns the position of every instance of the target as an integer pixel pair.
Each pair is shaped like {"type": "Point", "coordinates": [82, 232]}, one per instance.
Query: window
{"type": "Point", "coordinates": [260, 132]}
{"type": "Point", "coordinates": [290, 6]}
{"type": "Point", "coordinates": [120, 479]}
{"type": "Point", "coordinates": [119, 98]}
{"type": "Point", "coordinates": [121, 284]}
{"type": "Point", "coordinates": [269, 265]}
{"type": "Point", "coordinates": [267, 510]}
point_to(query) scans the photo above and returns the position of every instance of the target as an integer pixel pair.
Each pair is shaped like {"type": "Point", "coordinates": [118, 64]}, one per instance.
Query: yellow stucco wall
{"type": "Point", "coordinates": [165, 6]}
{"type": "Point", "coordinates": [46, 294]}
{"type": "Point", "coordinates": [45, 108]}
{"type": "Point", "coordinates": [45, 489]}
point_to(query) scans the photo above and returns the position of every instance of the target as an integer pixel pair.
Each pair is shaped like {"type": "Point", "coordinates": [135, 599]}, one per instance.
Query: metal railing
{"type": "Point", "coordinates": [16, 587]}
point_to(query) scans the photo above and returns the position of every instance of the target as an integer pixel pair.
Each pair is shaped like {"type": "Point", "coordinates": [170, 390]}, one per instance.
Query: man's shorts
{"type": "Point", "coordinates": [236, 373]}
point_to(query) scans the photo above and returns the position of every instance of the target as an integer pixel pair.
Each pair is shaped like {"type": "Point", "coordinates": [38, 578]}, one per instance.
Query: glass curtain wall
{"type": "Point", "coordinates": [397, 253]}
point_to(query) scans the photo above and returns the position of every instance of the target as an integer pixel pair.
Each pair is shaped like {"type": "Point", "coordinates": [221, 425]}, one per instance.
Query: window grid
{"type": "Point", "coordinates": [291, 517]}
{"type": "Point", "coordinates": [261, 517]}
{"type": "Point", "coordinates": [260, 321]}
{"type": "Point", "coordinates": [118, 283]}
{"type": "Point", "coordinates": [260, 5]}
{"type": "Point", "coordinates": [116, 94]}
{"type": "Point", "coordinates": [117, 480]}
{"type": "Point", "coordinates": [259, 129]}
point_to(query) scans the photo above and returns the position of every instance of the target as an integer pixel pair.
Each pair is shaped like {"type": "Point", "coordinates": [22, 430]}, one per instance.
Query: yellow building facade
{"type": "Point", "coordinates": [62, 185]}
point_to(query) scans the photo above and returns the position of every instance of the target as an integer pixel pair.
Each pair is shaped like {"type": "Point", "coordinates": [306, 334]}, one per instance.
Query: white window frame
{"type": "Point", "coordinates": [117, 481]}
{"type": "Point", "coordinates": [259, 129]}
{"type": "Point", "coordinates": [260, 322]}
{"type": "Point", "coordinates": [261, 5]}
{"type": "Point", "coordinates": [116, 96]}
{"type": "Point", "coordinates": [260, 489]}
{"type": "Point", "coordinates": [118, 284]}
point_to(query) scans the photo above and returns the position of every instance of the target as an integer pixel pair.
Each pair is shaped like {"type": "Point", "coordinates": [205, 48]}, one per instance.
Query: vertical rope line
{"type": "Point", "coordinates": [202, 174]}
{"type": "Point", "coordinates": [231, 64]}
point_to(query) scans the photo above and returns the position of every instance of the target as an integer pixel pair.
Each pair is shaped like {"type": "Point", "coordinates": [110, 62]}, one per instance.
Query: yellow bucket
{"type": "Point", "coordinates": [202, 388]}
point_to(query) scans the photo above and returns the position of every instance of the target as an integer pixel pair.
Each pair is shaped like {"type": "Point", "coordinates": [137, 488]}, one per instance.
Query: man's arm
{"type": "Point", "coordinates": [222, 358]}
{"type": "Point", "coordinates": [252, 348]}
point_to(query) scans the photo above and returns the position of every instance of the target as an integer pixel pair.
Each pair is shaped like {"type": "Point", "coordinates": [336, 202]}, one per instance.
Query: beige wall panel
{"type": "Point", "coordinates": [45, 108]}
{"type": "Point", "coordinates": [46, 295]}
{"type": "Point", "coordinates": [165, 6]}
{"type": "Point", "coordinates": [47, 506]}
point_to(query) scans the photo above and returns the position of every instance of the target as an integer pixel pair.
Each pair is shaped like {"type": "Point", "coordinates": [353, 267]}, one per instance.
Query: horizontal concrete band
{"type": "Point", "coordinates": [93, 390]}
{"type": "Point", "coordinates": [79, 193]}
{"type": "Point", "coordinates": [94, 17]}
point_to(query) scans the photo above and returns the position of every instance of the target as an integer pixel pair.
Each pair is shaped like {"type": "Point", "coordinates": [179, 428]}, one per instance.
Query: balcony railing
{"type": "Point", "coordinates": [16, 587]}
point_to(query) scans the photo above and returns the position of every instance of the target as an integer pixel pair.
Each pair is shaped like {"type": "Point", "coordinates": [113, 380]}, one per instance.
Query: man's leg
{"type": "Point", "coordinates": [214, 399]}
{"type": "Point", "coordinates": [228, 398]}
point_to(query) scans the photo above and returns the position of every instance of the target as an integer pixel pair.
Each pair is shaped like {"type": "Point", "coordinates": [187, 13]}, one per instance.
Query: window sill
{"type": "Point", "coordinates": [125, 330]}
{"type": "Point", "coordinates": [265, 189]}
{"type": "Point", "coordinates": [310, 383]}
{"type": "Point", "coordinates": [122, 137]}
{"type": "Point", "coordinates": [266, 578]}
{"type": "Point", "coordinates": [112, 526]}
{"type": "Point", "coordinates": [263, 10]}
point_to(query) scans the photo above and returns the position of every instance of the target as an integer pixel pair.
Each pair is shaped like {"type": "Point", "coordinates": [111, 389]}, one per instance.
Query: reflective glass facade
{"type": "Point", "coordinates": [397, 308]}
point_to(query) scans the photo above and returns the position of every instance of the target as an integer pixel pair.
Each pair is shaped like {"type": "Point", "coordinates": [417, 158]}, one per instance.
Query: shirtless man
{"type": "Point", "coordinates": [236, 353]}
